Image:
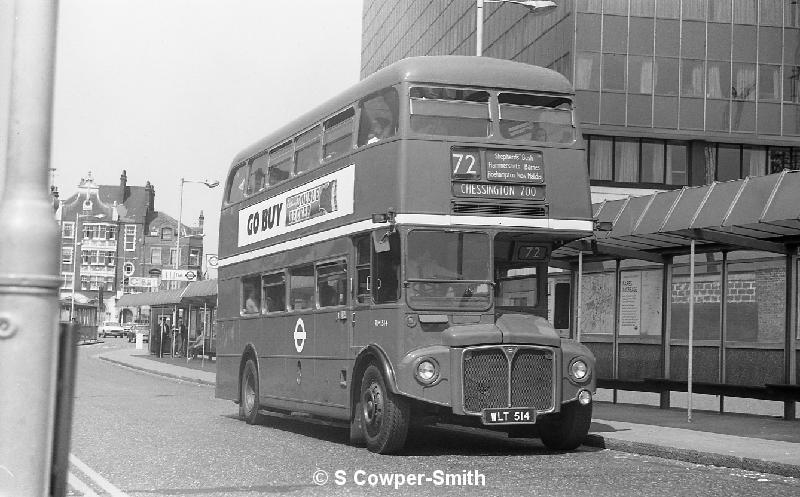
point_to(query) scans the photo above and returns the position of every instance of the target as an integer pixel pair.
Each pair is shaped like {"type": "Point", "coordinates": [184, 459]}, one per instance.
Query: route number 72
{"type": "Point", "coordinates": [466, 164]}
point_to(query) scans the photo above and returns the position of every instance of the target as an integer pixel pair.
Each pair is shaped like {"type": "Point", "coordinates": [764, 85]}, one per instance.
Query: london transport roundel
{"type": "Point", "coordinates": [299, 335]}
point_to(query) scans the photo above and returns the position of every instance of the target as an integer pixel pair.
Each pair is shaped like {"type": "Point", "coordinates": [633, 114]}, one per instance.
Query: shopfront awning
{"type": "Point", "coordinates": [195, 293]}
{"type": "Point", "coordinates": [756, 213]}
{"type": "Point", "coordinates": [200, 293]}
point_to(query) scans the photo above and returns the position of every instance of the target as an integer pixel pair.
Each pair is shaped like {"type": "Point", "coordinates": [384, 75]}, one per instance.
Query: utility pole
{"type": "Point", "coordinates": [29, 260]}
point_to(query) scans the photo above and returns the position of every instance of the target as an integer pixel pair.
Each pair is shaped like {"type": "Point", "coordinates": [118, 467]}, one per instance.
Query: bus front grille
{"type": "Point", "coordinates": [508, 376]}
{"type": "Point", "coordinates": [494, 209]}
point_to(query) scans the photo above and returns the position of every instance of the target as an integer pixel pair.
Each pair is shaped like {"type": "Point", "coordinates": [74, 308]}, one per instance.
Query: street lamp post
{"type": "Point", "coordinates": [209, 184]}
{"type": "Point", "coordinates": [536, 7]}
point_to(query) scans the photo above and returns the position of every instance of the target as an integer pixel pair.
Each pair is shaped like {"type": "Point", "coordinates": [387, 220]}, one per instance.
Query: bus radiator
{"type": "Point", "coordinates": [508, 376]}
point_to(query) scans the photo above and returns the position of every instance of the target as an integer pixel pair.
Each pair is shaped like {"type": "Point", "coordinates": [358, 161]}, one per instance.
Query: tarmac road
{"type": "Point", "coordinates": [147, 435]}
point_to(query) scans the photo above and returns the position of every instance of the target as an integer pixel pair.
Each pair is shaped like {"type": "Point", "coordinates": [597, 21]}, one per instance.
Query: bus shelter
{"type": "Point", "coordinates": [195, 304]}
{"type": "Point", "coordinates": [693, 290]}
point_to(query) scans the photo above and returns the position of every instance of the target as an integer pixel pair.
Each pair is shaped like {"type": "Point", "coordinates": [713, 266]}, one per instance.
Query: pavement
{"type": "Point", "coordinates": [762, 444]}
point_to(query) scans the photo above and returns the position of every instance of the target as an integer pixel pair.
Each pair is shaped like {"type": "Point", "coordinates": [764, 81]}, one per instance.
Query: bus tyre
{"type": "Point", "coordinates": [248, 400]}
{"type": "Point", "coordinates": [385, 416]}
{"type": "Point", "coordinates": [567, 430]}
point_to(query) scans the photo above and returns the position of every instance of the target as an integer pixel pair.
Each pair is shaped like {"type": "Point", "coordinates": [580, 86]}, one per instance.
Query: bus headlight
{"type": "Point", "coordinates": [578, 370]}
{"type": "Point", "coordinates": [427, 371]}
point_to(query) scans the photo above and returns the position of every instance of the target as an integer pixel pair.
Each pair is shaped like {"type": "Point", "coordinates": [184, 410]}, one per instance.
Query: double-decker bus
{"type": "Point", "coordinates": [384, 258]}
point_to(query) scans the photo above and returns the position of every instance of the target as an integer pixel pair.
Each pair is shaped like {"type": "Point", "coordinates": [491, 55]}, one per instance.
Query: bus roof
{"type": "Point", "coordinates": [440, 69]}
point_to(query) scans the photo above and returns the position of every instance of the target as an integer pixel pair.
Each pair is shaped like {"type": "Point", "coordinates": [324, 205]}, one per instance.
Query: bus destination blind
{"type": "Point", "coordinates": [514, 166]}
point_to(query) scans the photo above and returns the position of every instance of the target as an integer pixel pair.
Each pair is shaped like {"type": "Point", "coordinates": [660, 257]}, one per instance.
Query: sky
{"type": "Point", "coordinates": [171, 89]}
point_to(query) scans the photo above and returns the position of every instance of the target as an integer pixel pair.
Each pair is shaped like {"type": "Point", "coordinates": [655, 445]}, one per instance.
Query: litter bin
{"type": "Point", "coordinates": [139, 341]}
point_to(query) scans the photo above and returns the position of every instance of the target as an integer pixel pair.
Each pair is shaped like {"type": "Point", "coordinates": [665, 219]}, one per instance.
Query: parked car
{"type": "Point", "coordinates": [144, 329]}
{"type": "Point", "coordinates": [110, 328]}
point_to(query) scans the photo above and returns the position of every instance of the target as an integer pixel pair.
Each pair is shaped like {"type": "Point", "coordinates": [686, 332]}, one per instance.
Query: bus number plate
{"type": "Point", "coordinates": [507, 416]}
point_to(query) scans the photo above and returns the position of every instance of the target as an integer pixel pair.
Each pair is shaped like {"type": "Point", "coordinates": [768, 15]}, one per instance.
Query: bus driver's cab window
{"type": "Point", "coordinates": [378, 267]}
{"type": "Point", "coordinates": [378, 117]}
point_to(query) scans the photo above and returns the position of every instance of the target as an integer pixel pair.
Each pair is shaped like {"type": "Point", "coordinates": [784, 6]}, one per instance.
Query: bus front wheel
{"type": "Point", "coordinates": [248, 400]}
{"type": "Point", "coordinates": [568, 429]}
{"type": "Point", "coordinates": [385, 416]}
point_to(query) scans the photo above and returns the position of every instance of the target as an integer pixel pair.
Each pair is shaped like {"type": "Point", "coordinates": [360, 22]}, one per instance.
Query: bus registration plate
{"type": "Point", "coordinates": [507, 416]}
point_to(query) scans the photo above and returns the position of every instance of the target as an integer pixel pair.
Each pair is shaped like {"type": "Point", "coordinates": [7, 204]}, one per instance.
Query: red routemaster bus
{"type": "Point", "coordinates": [384, 258]}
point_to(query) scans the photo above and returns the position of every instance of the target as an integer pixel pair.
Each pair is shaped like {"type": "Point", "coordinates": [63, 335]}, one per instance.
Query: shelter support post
{"type": "Point", "coordinates": [579, 293]}
{"type": "Point", "coordinates": [617, 318]}
{"type": "Point", "coordinates": [723, 326]}
{"type": "Point", "coordinates": [666, 328]}
{"type": "Point", "coordinates": [790, 343]}
{"type": "Point", "coordinates": [691, 334]}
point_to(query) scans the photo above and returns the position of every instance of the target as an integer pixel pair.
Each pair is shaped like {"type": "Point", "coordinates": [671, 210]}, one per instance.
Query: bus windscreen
{"type": "Point", "coordinates": [540, 118]}
{"type": "Point", "coordinates": [448, 269]}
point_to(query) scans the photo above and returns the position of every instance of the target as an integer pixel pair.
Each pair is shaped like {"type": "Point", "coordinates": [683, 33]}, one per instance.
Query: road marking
{"type": "Point", "coordinates": [96, 478]}
{"type": "Point", "coordinates": [81, 487]}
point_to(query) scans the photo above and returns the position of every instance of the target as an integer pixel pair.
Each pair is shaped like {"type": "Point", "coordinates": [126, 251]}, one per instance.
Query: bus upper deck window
{"type": "Point", "coordinates": [237, 184]}
{"type": "Point", "coordinates": [449, 111]}
{"type": "Point", "coordinates": [258, 174]}
{"type": "Point", "coordinates": [338, 134]}
{"type": "Point", "coordinates": [280, 162]}
{"type": "Point", "coordinates": [307, 147]}
{"type": "Point", "coordinates": [540, 118]}
{"type": "Point", "coordinates": [378, 117]}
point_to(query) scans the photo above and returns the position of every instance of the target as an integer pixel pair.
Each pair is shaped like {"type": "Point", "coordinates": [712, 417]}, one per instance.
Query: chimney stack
{"type": "Point", "coordinates": [123, 187]}
{"type": "Point", "coordinates": [200, 221]}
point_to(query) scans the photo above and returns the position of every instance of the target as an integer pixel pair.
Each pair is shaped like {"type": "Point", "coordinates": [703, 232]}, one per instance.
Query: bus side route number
{"type": "Point", "coordinates": [382, 323]}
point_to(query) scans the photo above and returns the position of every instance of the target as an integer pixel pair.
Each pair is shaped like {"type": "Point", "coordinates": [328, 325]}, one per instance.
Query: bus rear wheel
{"type": "Point", "coordinates": [385, 416]}
{"type": "Point", "coordinates": [568, 429]}
{"type": "Point", "coordinates": [248, 399]}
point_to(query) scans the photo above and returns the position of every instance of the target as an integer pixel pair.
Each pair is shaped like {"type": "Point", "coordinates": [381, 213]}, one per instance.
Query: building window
{"type": "Point", "coordinates": [155, 255]}
{"type": "Point", "coordinates": [194, 257]}
{"type": "Point", "coordinates": [68, 229]}
{"type": "Point", "coordinates": [66, 255]}
{"type": "Point", "coordinates": [84, 282]}
{"type": "Point", "coordinates": [67, 280]}
{"type": "Point", "coordinates": [601, 158]}
{"type": "Point", "coordinates": [632, 160]}
{"type": "Point", "coordinates": [111, 259]}
{"type": "Point", "coordinates": [782, 158]}
{"type": "Point", "coordinates": [173, 253]}
{"type": "Point", "coordinates": [130, 237]}
{"type": "Point", "coordinates": [587, 71]}
{"type": "Point", "coordinates": [166, 233]}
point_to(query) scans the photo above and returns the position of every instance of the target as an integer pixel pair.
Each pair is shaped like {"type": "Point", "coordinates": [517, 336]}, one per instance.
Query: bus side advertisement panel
{"type": "Point", "coordinates": [325, 198]}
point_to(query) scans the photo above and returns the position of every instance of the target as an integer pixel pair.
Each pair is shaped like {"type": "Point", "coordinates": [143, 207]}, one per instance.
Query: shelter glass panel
{"type": "Point", "coordinates": [707, 302]}
{"type": "Point", "coordinates": [597, 315]}
{"type": "Point", "coordinates": [756, 301]}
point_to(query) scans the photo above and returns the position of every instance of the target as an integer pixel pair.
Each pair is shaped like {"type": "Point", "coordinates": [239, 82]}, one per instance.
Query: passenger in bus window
{"type": "Point", "coordinates": [328, 296]}
{"type": "Point", "coordinates": [381, 128]}
{"type": "Point", "coordinates": [252, 303]}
